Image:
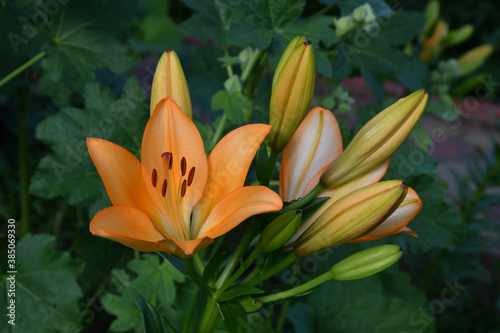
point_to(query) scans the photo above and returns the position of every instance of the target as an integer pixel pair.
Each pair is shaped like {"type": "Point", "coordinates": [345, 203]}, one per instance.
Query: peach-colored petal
{"type": "Point", "coordinates": [183, 248]}
{"type": "Point", "coordinates": [338, 192]}
{"type": "Point", "coordinates": [398, 220]}
{"type": "Point", "coordinates": [237, 207]}
{"type": "Point", "coordinates": [172, 148]}
{"type": "Point", "coordinates": [121, 174]}
{"type": "Point", "coordinates": [314, 146]}
{"type": "Point", "coordinates": [128, 226]}
{"type": "Point", "coordinates": [228, 166]}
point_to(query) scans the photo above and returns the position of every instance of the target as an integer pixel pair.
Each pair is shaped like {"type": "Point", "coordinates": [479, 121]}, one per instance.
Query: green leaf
{"type": "Point", "coordinates": [233, 103]}
{"type": "Point", "coordinates": [83, 38]}
{"type": "Point", "coordinates": [257, 21]}
{"type": "Point", "coordinates": [363, 306]}
{"type": "Point", "coordinates": [211, 271]}
{"type": "Point", "coordinates": [233, 316]}
{"type": "Point", "coordinates": [401, 28]}
{"type": "Point", "coordinates": [69, 171]}
{"type": "Point", "coordinates": [45, 283]}
{"type": "Point", "coordinates": [153, 322]}
{"type": "Point", "coordinates": [153, 279]}
{"type": "Point", "coordinates": [438, 224]}
{"type": "Point", "coordinates": [239, 290]}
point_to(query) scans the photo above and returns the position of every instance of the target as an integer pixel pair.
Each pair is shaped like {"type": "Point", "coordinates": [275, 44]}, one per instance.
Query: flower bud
{"type": "Point", "coordinates": [458, 36]}
{"type": "Point", "coordinates": [351, 217]}
{"type": "Point", "coordinates": [169, 81]}
{"type": "Point", "coordinates": [292, 94]}
{"type": "Point", "coordinates": [474, 58]}
{"type": "Point", "coordinates": [366, 263]}
{"type": "Point", "coordinates": [297, 41]}
{"type": "Point", "coordinates": [376, 141]}
{"type": "Point", "coordinates": [279, 231]}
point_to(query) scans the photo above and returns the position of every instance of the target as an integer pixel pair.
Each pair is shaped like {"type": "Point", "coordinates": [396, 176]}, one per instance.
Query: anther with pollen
{"type": "Point", "coordinates": [164, 188]}
{"type": "Point", "coordinates": [154, 177]}
{"type": "Point", "coordinates": [191, 176]}
{"type": "Point", "coordinates": [183, 166]}
{"type": "Point", "coordinates": [183, 188]}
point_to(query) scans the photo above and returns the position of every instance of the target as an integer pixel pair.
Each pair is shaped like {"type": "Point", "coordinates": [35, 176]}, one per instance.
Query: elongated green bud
{"type": "Point", "coordinates": [366, 263]}
{"type": "Point", "coordinates": [458, 36]}
{"type": "Point", "coordinates": [279, 231]}
{"type": "Point", "coordinates": [297, 41]}
{"type": "Point", "coordinates": [169, 81]}
{"type": "Point", "coordinates": [292, 94]}
{"type": "Point", "coordinates": [352, 216]}
{"type": "Point", "coordinates": [376, 141]}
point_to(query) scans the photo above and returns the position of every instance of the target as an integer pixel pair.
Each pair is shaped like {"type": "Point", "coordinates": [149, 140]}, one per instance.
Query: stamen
{"type": "Point", "coordinates": [191, 176]}
{"type": "Point", "coordinates": [164, 188]}
{"type": "Point", "coordinates": [183, 166]}
{"type": "Point", "coordinates": [171, 160]}
{"type": "Point", "coordinates": [154, 177]}
{"type": "Point", "coordinates": [183, 188]}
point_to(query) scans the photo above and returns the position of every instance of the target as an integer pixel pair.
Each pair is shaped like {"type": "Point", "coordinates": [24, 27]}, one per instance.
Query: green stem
{"type": "Point", "coordinates": [248, 69]}
{"type": "Point", "coordinates": [23, 160]}
{"type": "Point", "coordinates": [220, 128]}
{"type": "Point", "coordinates": [271, 163]}
{"type": "Point", "coordinates": [281, 319]}
{"type": "Point", "coordinates": [251, 258]}
{"type": "Point", "coordinates": [302, 289]}
{"type": "Point", "coordinates": [346, 30]}
{"type": "Point", "coordinates": [228, 68]}
{"type": "Point", "coordinates": [199, 263]}
{"type": "Point", "coordinates": [210, 317]}
{"type": "Point", "coordinates": [305, 200]}
{"type": "Point", "coordinates": [193, 274]}
{"type": "Point", "coordinates": [238, 253]}
{"type": "Point", "coordinates": [22, 68]}
{"type": "Point", "coordinates": [287, 261]}
{"type": "Point", "coordinates": [92, 300]}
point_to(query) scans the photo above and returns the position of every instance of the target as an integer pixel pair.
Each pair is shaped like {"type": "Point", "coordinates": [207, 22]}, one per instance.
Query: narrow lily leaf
{"type": "Point", "coordinates": [175, 261]}
{"type": "Point", "coordinates": [248, 303]}
{"type": "Point", "coordinates": [211, 272]}
{"type": "Point", "coordinates": [310, 208]}
{"type": "Point", "coordinates": [239, 290]}
{"type": "Point", "coordinates": [152, 318]}
{"type": "Point", "coordinates": [233, 316]}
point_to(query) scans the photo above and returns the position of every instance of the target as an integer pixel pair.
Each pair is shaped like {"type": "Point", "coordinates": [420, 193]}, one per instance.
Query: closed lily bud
{"type": "Point", "coordinates": [351, 217]}
{"type": "Point", "coordinates": [376, 141]}
{"type": "Point", "coordinates": [474, 58]}
{"type": "Point", "coordinates": [459, 36]}
{"type": "Point", "coordinates": [279, 231]}
{"type": "Point", "coordinates": [169, 81]}
{"type": "Point", "coordinates": [292, 94]}
{"type": "Point", "coordinates": [297, 41]}
{"type": "Point", "coordinates": [366, 263]}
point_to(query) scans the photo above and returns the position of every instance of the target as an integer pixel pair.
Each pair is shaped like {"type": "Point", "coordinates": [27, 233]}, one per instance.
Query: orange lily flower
{"type": "Point", "coordinates": [314, 146]}
{"type": "Point", "coordinates": [175, 199]}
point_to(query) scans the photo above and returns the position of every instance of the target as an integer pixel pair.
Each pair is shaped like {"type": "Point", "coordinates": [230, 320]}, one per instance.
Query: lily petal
{"type": "Point", "coordinates": [171, 137]}
{"type": "Point", "coordinates": [314, 146]}
{"type": "Point", "coordinates": [237, 207]}
{"type": "Point", "coordinates": [228, 164]}
{"type": "Point", "coordinates": [398, 220]}
{"type": "Point", "coordinates": [183, 248]}
{"type": "Point", "coordinates": [126, 225]}
{"type": "Point", "coordinates": [121, 174]}
{"type": "Point", "coordinates": [338, 192]}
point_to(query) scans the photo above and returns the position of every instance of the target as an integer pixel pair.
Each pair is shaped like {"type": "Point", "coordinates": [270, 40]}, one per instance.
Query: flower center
{"type": "Point", "coordinates": [173, 188]}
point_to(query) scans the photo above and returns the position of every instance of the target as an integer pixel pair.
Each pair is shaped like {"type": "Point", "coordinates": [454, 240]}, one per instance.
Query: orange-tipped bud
{"type": "Point", "coordinates": [169, 81]}
{"type": "Point", "coordinates": [366, 263]}
{"type": "Point", "coordinates": [474, 58]}
{"type": "Point", "coordinates": [292, 93]}
{"type": "Point", "coordinates": [376, 141]}
{"type": "Point", "coordinates": [351, 217]}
